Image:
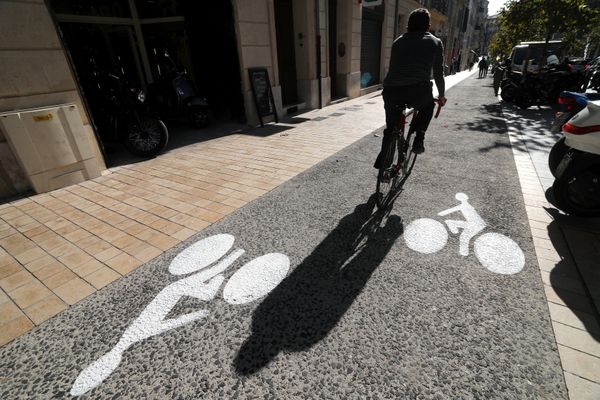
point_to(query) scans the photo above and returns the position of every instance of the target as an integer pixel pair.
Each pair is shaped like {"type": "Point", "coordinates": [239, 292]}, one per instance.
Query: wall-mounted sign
{"type": "Point", "coordinates": [40, 118]}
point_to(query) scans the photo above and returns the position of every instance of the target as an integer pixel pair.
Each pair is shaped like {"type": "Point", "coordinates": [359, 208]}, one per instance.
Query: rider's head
{"type": "Point", "coordinates": [419, 21]}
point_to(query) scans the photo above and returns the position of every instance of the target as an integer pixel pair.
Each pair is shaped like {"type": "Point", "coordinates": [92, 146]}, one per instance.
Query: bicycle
{"type": "Point", "coordinates": [400, 162]}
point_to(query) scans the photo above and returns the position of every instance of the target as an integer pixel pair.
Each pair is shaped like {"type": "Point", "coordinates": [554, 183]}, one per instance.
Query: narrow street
{"type": "Point", "coordinates": [360, 311]}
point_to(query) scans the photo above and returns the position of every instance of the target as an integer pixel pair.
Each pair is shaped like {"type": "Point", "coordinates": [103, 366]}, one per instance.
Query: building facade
{"type": "Point", "coordinates": [315, 51]}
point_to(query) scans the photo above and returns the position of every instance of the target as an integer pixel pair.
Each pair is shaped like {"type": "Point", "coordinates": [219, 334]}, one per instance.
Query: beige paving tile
{"type": "Point", "coordinates": [9, 311]}
{"type": "Point", "coordinates": [59, 279]}
{"type": "Point", "coordinates": [562, 281]}
{"type": "Point", "coordinates": [580, 364]}
{"type": "Point", "coordinates": [581, 389]}
{"type": "Point", "coordinates": [538, 214]}
{"type": "Point", "coordinates": [123, 242]}
{"type": "Point", "coordinates": [183, 234]}
{"type": "Point", "coordinates": [577, 339]}
{"type": "Point", "coordinates": [52, 268]}
{"type": "Point", "coordinates": [45, 309]}
{"type": "Point", "coordinates": [102, 277]}
{"type": "Point", "coordinates": [574, 318]}
{"type": "Point", "coordinates": [569, 299]}
{"type": "Point", "coordinates": [30, 255]}
{"type": "Point", "coordinates": [29, 294]}
{"type": "Point", "coordinates": [16, 280]}
{"type": "Point", "coordinates": [87, 268]}
{"type": "Point", "coordinates": [162, 242]}
{"type": "Point", "coordinates": [75, 259]}
{"type": "Point", "coordinates": [148, 253]}
{"type": "Point", "coordinates": [547, 254]}
{"type": "Point", "coordinates": [9, 269]}
{"type": "Point", "coordinates": [107, 254]}
{"type": "Point", "coordinates": [77, 235]}
{"type": "Point", "coordinates": [16, 244]}
{"type": "Point", "coordinates": [14, 329]}
{"type": "Point", "coordinates": [74, 291]}
{"type": "Point", "coordinates": [3, 296]}
{"type": "Point", "coordinates": [124, 263]}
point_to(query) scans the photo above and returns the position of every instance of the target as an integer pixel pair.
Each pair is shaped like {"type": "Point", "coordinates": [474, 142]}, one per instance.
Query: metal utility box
{"type": "Point", "coordinates": [51, 145]}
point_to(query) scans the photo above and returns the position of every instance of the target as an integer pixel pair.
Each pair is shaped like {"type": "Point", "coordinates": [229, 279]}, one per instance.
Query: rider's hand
{"type": "Point", "coordinates": [442, 100]}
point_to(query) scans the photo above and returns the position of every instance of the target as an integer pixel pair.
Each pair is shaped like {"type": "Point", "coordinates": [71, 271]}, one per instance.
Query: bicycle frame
{"type": "Point", "coordinates": [391, 178]}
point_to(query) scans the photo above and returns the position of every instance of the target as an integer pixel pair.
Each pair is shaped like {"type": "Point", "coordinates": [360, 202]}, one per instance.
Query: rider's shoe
{"type": "Point", "coordinates": [385, 177]}
{"type": "Point", "coordinates": [418, 147]}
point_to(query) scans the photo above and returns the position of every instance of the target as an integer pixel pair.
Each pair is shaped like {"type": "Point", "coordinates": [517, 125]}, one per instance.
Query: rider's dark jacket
{"type": "Point", "coordinates": [414, 55]}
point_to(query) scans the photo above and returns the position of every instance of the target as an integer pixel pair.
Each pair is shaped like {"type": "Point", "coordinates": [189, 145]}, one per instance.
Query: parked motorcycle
{"type": "Point", "coordinates": [510, 85]}
{"type": "Point", "coordinates": [545, 87]}
{"type": "Point", "coordinates": [173, 95]}
{"type": "Point", "coordinates": [575, 163]}
{"type": "Point", "coordinates": [120, 115]}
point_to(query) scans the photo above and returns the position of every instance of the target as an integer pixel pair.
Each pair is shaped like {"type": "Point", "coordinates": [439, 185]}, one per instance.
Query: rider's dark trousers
{"type": "Point", "coordinates": [395, 99]}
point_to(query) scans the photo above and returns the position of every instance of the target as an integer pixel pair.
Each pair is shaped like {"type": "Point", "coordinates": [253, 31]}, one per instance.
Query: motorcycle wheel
{"type": "Point", "coordinates": [579, 194]}
{"type": "Point", "coordinates": [146, 138]}
{"type": "Point", "coordinates": [199, 117]}
{"type": "Point", "coordinates": [556, 155]}
{"type": "Point", "coordinates": [508, 93]}
{"type": "Point", "coordinates": [523, 101]}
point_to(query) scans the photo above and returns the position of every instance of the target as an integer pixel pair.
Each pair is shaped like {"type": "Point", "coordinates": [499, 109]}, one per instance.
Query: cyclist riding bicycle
{"type": "Point", "coordinates": [414, 55]}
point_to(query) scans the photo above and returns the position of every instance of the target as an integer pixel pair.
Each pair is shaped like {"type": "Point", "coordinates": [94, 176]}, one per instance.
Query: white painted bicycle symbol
{"type": "Point", "coordinates": [253, 280]}
{"type": "Point", "coordinates": [494, 251]}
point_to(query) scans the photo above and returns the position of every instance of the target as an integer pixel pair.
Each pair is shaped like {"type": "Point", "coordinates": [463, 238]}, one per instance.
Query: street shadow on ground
{"type": "Point", "coordinates": [181, 134]}
{"type": "Point", "coordinates": [310, 302]}
{"type": "Point", "coordinates": [531, 120]}
{"type": "Point", "coordinates": [566, 278]}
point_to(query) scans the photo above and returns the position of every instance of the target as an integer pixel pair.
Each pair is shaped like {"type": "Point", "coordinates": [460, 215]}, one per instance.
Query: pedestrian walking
{"type": "Point", "coordinates": [486, 67]}
{"type": "Point", "coordinates": [482, 66]}
{"type": "Point", "coordinates": [498, 76]}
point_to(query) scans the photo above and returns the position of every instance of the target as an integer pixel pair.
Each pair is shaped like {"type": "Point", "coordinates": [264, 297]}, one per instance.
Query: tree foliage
{"type": "Point", "coordinates": [574, 21]}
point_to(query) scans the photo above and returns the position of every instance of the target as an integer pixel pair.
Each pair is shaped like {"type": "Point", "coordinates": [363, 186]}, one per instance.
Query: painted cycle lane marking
{"type": "Point", "coordinates": [496, 252]}
{"type": "Point", "coordinates": [207, 260]}
{"type": "Point", "coordinates": [252, 281]}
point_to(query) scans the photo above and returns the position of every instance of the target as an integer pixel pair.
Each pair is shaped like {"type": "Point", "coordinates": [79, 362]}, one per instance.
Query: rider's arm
{"type": "Point", "coordinates": [438, 69]}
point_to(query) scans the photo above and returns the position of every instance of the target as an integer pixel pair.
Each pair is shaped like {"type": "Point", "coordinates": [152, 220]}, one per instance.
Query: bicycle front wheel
{"type": "Point", "coordinates": [388, 176]}
{"type": "Point", "coordinates": [409, 157]}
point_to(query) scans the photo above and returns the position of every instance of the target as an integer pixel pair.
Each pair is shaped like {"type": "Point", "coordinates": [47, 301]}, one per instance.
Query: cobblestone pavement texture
{"type": "Point", "coordinates": [58, 248]}
{"type": "Point", "coordinates": [359, 314]}
{"type": "Point", "coordinates": [378, 321]}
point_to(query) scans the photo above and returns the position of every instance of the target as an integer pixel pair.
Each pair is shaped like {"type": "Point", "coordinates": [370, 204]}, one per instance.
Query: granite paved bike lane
{"type": "Point", "coordinates": [359, 314]}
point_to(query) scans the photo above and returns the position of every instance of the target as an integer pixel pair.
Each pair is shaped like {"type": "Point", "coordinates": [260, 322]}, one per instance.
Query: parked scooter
{"type": "Point", "coordinates": [120, 115]}
{"type": "Point", "coordinates": [575, 163]}
{"type": "Point", "coordinates": [173, 95]}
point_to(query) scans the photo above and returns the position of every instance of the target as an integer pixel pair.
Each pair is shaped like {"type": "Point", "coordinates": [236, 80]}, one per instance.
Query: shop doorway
{"type": "Point", "coordinates": [370, 51]}
{"type": "Point", "coordinates": [333, 45]}
{"type": "Point", "coordinates": [123, 36]}
{"type": "Point", "coordinates": [286, 53]}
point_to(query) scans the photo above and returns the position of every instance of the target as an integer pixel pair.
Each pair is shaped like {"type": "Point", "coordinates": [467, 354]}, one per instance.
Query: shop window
{"type": "Point", "coordinates": [158, 8]}
{"type": "Point", "coordinates": [97, 8]}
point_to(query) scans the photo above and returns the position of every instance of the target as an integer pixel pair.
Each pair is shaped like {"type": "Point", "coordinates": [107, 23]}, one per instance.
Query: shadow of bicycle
{"type": "Point", "coordinates": [310, 302]}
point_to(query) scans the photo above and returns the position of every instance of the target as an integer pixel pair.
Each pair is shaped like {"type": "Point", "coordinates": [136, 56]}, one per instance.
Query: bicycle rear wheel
{"type": "Point", "coordinates": [388, 177]}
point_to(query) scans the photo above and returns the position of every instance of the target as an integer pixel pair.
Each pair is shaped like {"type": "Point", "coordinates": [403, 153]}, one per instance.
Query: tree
{"type": "Point", "coordinates": [529, 20]}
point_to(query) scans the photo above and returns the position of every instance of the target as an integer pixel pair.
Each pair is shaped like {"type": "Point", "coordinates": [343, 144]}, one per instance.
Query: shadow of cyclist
{"type": "Point", "coordinates": [303, 309]}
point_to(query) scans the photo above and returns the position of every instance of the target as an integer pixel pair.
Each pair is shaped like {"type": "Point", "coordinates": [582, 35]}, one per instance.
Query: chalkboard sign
{"type": "Point", "coordinates": [263, 96]}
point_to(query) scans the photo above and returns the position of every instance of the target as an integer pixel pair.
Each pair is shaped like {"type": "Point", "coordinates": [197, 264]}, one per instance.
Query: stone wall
{"type": "Point", "coordinates": [34, 72]}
